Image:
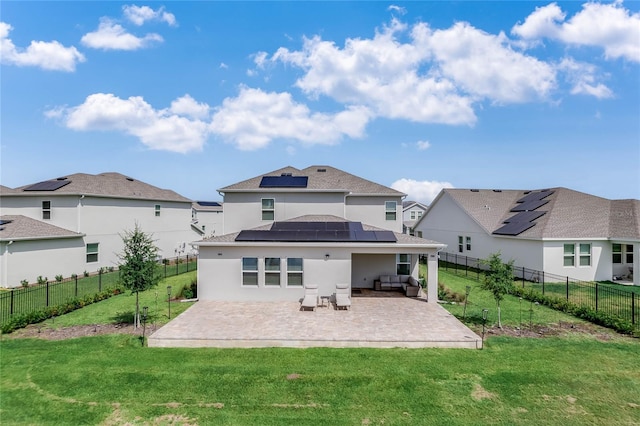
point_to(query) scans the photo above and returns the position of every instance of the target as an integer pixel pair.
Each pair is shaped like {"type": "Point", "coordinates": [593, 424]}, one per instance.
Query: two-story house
{"type": "Point", "coordinates": [557, 230]}
{"type": "Point", "coordinates": [318, 225]}
{"type": "Point", "coordinates": [412, 212]}
{"type": "Point", "coordinates": [74, 223]}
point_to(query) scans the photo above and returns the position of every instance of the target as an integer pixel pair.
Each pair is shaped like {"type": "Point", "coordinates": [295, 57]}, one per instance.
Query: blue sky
{"type": "Point", "coordinates": [194, 96]}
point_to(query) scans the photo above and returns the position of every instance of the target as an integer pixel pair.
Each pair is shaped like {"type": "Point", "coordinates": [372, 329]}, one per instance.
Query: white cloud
{"type": "Point", "coordinates": [609, 26]}
{"type": "Point", "coordinates": [46, 55]}
{"type": "Point", "coordinates": [188, 106]}
{"type": "Point", "coordinates": [422, 191]}
{"type": "Point", "coordinates": [163, 129]}
{"type": "Point", "coordinates": [582, 78]}
{"type": "Point", "coordinates": [398, 9]}
{"type": "Point", "coordinates": [255, 118]}
{"type": "Point", "coordinates": [141, 14]}
{"type": "Point", "coordinates": [112, 36]}
{"type": "Point", "coordinates": [485, 66]}
{"type": "Point", "coordinates": [423, 145]}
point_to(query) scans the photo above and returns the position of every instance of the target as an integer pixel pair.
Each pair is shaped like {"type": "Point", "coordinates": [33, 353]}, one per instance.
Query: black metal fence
{"type": "Point", "coordinates": [603, 297]}
{"type": "Point", "coordinates": [51, 293]}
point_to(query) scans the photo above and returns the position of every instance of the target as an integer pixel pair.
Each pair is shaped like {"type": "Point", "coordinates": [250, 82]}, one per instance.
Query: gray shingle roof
{"type": "Point", "coordinates": [321, 178]}
{"type": "Point", "coordinates": [6, 190]}
{"type": "Point", "coordinates": [206, 208]}
{"type": "Point", "coordinates": [25, 228]}
{"type": "Point", "coordinates": [569, 213]}
{"type": "Point", "coordinates": [402, 238]}
{"type": "Point", "coordinates": [108, 185]}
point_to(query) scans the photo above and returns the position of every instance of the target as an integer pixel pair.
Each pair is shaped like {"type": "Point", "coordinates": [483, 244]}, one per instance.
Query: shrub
{"type": "Point", "coordinates": [110, 269]}
{"type": "Point", "coordinates": [86, 274]}
{"type": "Point", "coordinates": [42, 280]}
{"type": "Point", "coordinates": [59, 278]}
{"type": "Point", "coordinates": [191, 291]}
{"type": "Point", "coordinates": [445, 293]}
{"type": "Point", "coordinates": [24, 283]}
{"type": "Point", "coordinates": [74, 276]}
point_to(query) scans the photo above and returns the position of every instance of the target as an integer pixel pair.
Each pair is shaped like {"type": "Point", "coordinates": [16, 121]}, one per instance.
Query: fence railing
{"type": "Point", "coordinates": [602, 297]}
{"type": "Point", "coordinates": [51, 293]}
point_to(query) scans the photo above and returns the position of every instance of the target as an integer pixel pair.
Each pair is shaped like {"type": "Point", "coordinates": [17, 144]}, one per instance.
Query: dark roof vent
{"type": "Point", "coordinates": [475, 190]}
{"type": "Point", "coordinates": [286, 174]}
{"type": "Point", "coordinates": [497, 190]}
{"type": "Point", "coordinates": [322, 170]}
{"type": "Point", "coordinates": [62, 178]}
{"type": "Point", "coordinates": [130, 179]}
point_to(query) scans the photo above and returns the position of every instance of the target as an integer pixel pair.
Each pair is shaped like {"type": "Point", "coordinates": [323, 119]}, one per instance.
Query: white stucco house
{"type": "Point", "coordinates": [74, 223]}
{"type": "Point", "coordinates": [558, 230]}
{"type": "Point", "coordinates": [318, 225]}
{"type": "Point", "coordinates": [207, 218]}
{"type": "Point", "coordinates": [412, 212]}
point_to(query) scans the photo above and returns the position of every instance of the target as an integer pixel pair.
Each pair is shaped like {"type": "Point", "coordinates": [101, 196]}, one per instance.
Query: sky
{"type": "Point", "coordinates": [418, 96]}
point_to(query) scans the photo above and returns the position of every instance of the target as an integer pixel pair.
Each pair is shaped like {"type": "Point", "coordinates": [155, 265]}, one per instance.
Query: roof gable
{"type": "Point", "coordinates": [18, 227]}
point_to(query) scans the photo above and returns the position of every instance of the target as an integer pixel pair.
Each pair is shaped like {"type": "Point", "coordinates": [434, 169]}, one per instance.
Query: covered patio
{"type": "Point", "coordinates": [372, 322]}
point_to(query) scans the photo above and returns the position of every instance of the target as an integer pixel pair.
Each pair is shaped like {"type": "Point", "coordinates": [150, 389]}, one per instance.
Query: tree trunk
{"type": "Point", "coordinates": [136, 319]}
{"type": "Point", "coordinates": [499, 318]}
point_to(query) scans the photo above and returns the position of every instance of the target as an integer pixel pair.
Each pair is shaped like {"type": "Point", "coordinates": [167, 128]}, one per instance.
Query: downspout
{"type": "Point", "coordinates": [5, 260]}
{"type": "Point", "coordinates": [79, 216]}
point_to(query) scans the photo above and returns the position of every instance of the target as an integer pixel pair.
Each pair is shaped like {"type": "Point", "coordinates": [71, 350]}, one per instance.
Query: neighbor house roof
{"type": "Point", "coordinates": [207, 206]}
{"type": "Point", "coordinates": [402, 239]}
{"type": "Point", "coordinates": [6, 190]}
{"type": "Point", "coordinates": [320, 178]}
{"type": "Point", "coordinates": [18, 227]}
{"type": "Point", "coordinates": [567, 213]}
{"type": "Point", "coordinates": [406, 205]}
{"type": "Point", "coordinates": [101, 185]}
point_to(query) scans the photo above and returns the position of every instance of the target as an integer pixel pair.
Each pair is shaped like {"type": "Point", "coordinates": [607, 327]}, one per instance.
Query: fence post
{"type": "Point", "coordinates": [177, 265]}
{"type": "Point", "coordinates": [11, 310]}
{"type": "Point", "coordinates": [47, 293]}
{"type": "Point", "coordinates": [100, 279]}
{"type": "Point", "coordinates": [76, 278]}
{"type": "Point", "coordinates": [456, 260]}
{"type": "Point", "coordinates": [466, 266]}
{"type": "Point", "coordinates": [523, 277]}
{"type": "Point", "coordinates": [596, 296]}
{"type": "Point", "coordinates": [567, 289]}
{"type": "Point", "coordinates": [633, 308]}
{"type": "Point", "coordinates": [543, 282]}
{"type": "Point", "coordinates": [165, 268]}
{"type": "Point", "coordinates": [187, 263]}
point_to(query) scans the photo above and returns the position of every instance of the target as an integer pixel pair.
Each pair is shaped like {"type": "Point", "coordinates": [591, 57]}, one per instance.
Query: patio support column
{"type": "Point", "coordinates": [432, 277]}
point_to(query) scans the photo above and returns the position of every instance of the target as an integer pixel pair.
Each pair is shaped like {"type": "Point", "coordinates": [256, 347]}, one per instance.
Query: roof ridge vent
{"type": "Point", "coordinates": [62, 178]}
{"type": "Point", "coordinates": [286, 174]}
{"type": "Point", "coordinates": [321, 170]}
{"type": "Point", "coordinates": [497, 190]}
{"type": "Point", "coordinates": [129, 179]}
{"type": "Point", "coordinates": [474, 190]}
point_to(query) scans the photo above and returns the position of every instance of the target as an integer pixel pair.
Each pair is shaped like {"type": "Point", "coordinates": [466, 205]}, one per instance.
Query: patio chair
{"type": "Point", "coordinates": [310, 299]}
{"type": "Point", "coordinates": [343, 296]}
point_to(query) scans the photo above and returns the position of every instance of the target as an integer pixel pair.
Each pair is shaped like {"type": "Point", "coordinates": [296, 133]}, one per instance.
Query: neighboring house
{"type": "Point", "coordinates": [96, 209]}
{"type": "Point", "coordinates": [558, 230]}
{"type": "Point", "coordinates": [318, 225]}
{"type": "Point", "coordinates": [412, 211]}
{"type": "Point", "coordinates": [207, 217]}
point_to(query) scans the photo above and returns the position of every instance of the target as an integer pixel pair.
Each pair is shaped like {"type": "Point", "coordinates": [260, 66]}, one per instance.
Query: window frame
{"type": "Point", "coordinates": [157, 210]}
{"type": "Point", "coordinates": [390, 213]}
{"type": "Point", "coordinates": [616, 255]}
{"type": "Point", "coordinates": [413, 215]}
{"type": "Point", "coordinates": [583, 255]}
{"type": "Point", "coordinates": [268, 210]}
{"type": "Point", "coordinates": [460, 244]}
{"type": "Point", "coordinates": [569, 255]}
{"type": "Point", "coordinates": [400, 263]}
{"type": "Point", "coordinates": [92, 253]}
{"type": "Point", "coordinates": [246, 272]}
{"type": "Point", "coordinates": [292, 272]}
{"type": "Point", "coordinates": [468, 243]}
{"type": "Point", "coordinates": [628, 254]}
{"type": "Point", "coordinates": [46, 210]}
{"type": "Point", "coordinates": [272, 273]}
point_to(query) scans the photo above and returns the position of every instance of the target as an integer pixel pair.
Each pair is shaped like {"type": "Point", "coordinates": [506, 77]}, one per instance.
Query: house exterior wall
{"type": "Point", "coordinates": [64, 212]}
{"type": "Point", "coordinates": [371, 210]}
{"type": "Point", "coordinates": [220, 272]}
{"type": "Point", "coordinates": [26, 260]}
{"type": "Point", "coordinates": [406, 215]}
{"type": "Point", "coordinates": [212, 222]}
{"type": "Point", "coordinates": [243, 210]}
{"type": "Point", "coordinates": [599, 270]}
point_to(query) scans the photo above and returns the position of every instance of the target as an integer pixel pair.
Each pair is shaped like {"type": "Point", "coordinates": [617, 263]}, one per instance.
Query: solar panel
{"type": "Point", "coordinates": [384, 236]}
{"type": "Point", "coordinates": [529, 205]}
{"type": "Point", "coordinates": [534, 196]}
{"type": "Point", "coordinates": [4, 222]}
{"type": "Point", "coordinates": [48, 185]}
{"type": "Point", "coordinates": [514, 228]}
{"type": "Point", "coordinates": [209, 203]}
{"type": "Point", "coordinates": [284, 181]}
{"type": "Point", "coordinates": [316, 232]}
{"type": "Point", "coordinates": [524, 217]}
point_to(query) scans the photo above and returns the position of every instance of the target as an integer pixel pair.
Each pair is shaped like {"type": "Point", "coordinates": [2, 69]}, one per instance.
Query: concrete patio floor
{"type": "Point", "coordinates": [375, 322]}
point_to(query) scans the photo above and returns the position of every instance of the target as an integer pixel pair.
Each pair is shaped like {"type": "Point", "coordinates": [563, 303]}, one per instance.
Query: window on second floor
{"type": "Point", "coordinates": [390, 210]}
{"type": "Point", "coordinates": [157, 209]}
{"type": "Point", "coordinates": [46, 210]}
{"type": "Point", "coordinates": [268, 209]}
{"type": "Point", "coordinates": [413, 215]}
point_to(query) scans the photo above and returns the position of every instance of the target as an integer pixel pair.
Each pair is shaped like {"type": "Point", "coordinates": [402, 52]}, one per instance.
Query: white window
{"type": "Point", "coordinates": [403, 264]}
{"type": "Point", "coordinates": [569, 255]}
{"type": "Point", "coordinates": [157, 210]}
{"type": "Point", "coordinates": [250, 271]}
{"type": "Point", "coordinates": [294, 272]}
{"type": "Point", "coordinates": [390, 210]}
{"type": "Point", "coordinates": [419, 234]}
{"type": "Point", "coordinates": [460, 243]}
{"type": "Point", "coordinates": [92, 252]}
{"type": "Point", "coordinates": [413, 215]}
{"type": "Point", "coordinates": [272, 271]}
{"type": "Point", "coordinates": [46, 210]}
{"type": "Point", "coordinates": [616, 249]}
{"type": "Point", "coordinates": [468, 243]}
{"type": "Point", "coordinates": [268, 209]}
{"type": "Point", "coordinates": [585, 254]}
{"type": "Point", "coordinates": [419, 214]}
{"type": "Point", "coordinates": [629, 253]}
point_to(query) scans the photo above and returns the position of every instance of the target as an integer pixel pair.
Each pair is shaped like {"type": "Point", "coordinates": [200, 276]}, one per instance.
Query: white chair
{"type": "Point", "coordinates": [311, 297]}
{"type": "Point", "coordinates": [343, 296]}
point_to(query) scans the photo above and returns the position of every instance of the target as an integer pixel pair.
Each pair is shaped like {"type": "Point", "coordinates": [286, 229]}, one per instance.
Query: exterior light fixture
{"type": "Point", "coordinates": [484, 322]}
{"type": "Point", "coordinates": [326, 256]}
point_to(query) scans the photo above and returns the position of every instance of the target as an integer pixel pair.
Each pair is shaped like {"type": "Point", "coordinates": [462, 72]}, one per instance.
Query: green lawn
{"type": "Point", "coordinates": [112, 379]}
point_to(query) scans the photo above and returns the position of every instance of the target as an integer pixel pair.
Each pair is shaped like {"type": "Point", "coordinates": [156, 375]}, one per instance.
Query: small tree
{"type": "Point", "coordinates": [138, 267]}
{"type": "Point", "coordinates": [499, 279]}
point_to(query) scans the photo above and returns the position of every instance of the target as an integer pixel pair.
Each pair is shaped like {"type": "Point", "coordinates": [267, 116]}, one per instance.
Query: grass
{"type": "Point", "coordinates": [112, 380]}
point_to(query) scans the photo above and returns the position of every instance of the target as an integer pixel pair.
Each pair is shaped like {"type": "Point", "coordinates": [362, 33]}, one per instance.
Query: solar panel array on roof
{"type": "Point", "coordinates": [514, 228]}
{"type": "Point", "coordinates": [209, 203]}
{"type": "Point", "coordinates": [524, 217]}
{"type": "Point", "coordinates": [317, 232]}
{"type": "Point", "coordinates": [284, 181]}
{"type": "Point", "coordinates": [529, 205]}
{"type": "Point", "coordinates": [4, 222]}
{"type": "Point", "coordinates": [534, 196]}
{"type": "Point", "coordinates": [48, 185]}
